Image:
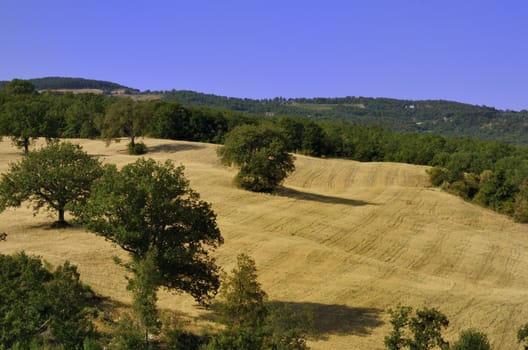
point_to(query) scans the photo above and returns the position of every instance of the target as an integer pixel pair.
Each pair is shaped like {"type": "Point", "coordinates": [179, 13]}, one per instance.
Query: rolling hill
{"type": "Point", "coordinates": [345, 239]}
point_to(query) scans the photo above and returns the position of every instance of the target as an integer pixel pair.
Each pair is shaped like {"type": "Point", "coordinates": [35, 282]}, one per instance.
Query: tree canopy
{"type": "Point", "coordinates": [148, 205]}
{"type": "Point", "coordinates": [261, 154]}
{"type": "Point", "coordinates": [125, 118]}
{"type": "Point", "coordinates": [56, 177]}
{"type": "Point", "coordinates": [421, 331]}
{"type": "Point", "coordinates": [34, 300]}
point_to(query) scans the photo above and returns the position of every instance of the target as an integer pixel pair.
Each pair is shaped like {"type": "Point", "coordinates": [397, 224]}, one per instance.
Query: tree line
{"type": "Point", "coordinates": [428, 116]}
{"type": "Point", "coordinates": [490, 173]}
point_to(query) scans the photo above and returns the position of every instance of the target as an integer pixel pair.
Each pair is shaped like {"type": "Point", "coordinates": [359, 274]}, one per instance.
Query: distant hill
{"type": "Point", "coordinates": [427, 116]}
{"type": "Point", "coordinates": [61, 83]}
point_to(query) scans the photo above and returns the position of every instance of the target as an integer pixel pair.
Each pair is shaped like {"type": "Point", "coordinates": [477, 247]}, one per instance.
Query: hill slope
{"type": "Point", "coordinates": [62, 83]}
{"type": "Point", "coordinates": [429, 116]}
{"type": "Point", "coordinates": [346, 239]}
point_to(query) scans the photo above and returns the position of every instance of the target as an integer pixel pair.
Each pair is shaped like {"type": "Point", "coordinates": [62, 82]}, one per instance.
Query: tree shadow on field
{"type": "Point", "coordinates": [171, 148]}
{"type": "Point", "coordinates": [337, 319]}
{"type": "Point", "coordinates": [307, 196]}
{"type": "Point", "coordinates": [329, 319]}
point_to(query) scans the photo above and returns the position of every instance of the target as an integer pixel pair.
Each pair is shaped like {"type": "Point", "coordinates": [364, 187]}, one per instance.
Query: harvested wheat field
{"type": "Point", "coordinates": [344, 238]}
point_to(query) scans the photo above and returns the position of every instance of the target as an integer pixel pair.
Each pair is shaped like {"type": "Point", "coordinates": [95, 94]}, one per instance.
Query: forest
{"type": "Point", "coordinates": [429, 116]}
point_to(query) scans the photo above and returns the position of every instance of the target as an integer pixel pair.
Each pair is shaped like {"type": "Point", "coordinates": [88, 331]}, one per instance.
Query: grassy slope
{"type": "Point", "coordinates": [346, 239]}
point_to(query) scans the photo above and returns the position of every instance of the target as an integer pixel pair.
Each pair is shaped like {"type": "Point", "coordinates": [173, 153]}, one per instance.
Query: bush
{"type": "Point", "coordinates": [127, 336]}
{"type": "Point", "coordinates": [472, 340]}
{"type": "Point", "coordinates": [35, 302]}
{"type": "Point", "coordinates": [137, 148]}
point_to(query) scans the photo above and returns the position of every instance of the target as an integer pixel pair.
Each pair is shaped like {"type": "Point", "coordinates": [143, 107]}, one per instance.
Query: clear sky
{"type": "Point", "coordinates": [462, 50]}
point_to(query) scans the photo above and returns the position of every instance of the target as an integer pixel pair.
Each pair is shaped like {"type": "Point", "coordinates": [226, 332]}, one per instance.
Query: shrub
{"type": "Point", "coordinates": [137, 148]}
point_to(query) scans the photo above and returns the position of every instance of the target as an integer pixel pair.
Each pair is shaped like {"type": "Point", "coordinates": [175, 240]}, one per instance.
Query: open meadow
{"type": "Point", "coordinates": [346, 239]}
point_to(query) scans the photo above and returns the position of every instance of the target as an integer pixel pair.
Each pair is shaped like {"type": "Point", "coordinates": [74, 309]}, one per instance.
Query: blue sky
{"type": "Point", "coordinates": [464, 50]}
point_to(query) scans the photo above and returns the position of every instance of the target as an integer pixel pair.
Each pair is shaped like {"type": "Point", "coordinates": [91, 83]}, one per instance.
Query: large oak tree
{"type": "Point", "coordinates": [55, 177]}
{"type": "Point", "coordinates": [149, 209]}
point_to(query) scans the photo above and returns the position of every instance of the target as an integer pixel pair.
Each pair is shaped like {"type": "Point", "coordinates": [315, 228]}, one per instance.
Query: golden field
{"type": "Point", "coordinates": [344, 238]}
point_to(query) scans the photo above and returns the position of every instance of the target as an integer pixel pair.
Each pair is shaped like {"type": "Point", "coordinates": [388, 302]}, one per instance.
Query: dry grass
{"type": "Point", "coordinates": [345, 239]}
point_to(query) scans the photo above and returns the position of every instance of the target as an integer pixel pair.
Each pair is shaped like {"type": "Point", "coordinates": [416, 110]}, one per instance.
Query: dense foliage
{"type": "Point", "coordinates": [261, 154]}
{"type": "Point", "coordinates": [250, 322]}
{"type": "Point", "coordinates": [419, 330]}
{"type": "Point", "coordinates": [439, 117]}
{"type": "Point", "coordinates": [39, 306]}
{"type": "Point", "coordinates": [56, 177]}
{"type": "Point", "coordinates": [149, 208]}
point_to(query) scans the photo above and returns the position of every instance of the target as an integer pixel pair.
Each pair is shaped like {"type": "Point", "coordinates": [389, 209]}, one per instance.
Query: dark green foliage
{"type": "Point", "coordinates": [438, 117]}
{"type": "Point", "coordinates": [35, 301]}
{"type": "Point", "coordinates": [242, 297]}
{"type": "Point", "coordinates": [288, 328]}
{"type": "Point", "coordinates": [421, 331]}
{"type": "Point", "coordinates": [438, 176]}
{"type": "Point", "coordinates": [239, 339]}
{"type": "Point", "coordinates": [127, 336]}
{"type": "Point", "coordinates": [125, 118]}
{"type": "Point", "coordinates": [250, 322]}
{"type": "Point", "coordinates": [137, 148]}
{"type": "Point", "coordinates": [522, 336]}
{"type": "Point", "coordinates": [471, 339]}
{"type": "Point", "coordinates": [20, 87]}
{"type": "Point", "coordinates": [177, 339]}
{"type": "Point", "coordinates": [144, 286]}
{"type": "Point", "coordinates": [496, 192]}
{"type": "Point", "coordinates": [147, 205]}
{"type": "Point", "coordinates": [56, 177]}
{"type": "Point", "coordinates": [24, 118]}
{"type": "Point", "coordinates": [261, 154]}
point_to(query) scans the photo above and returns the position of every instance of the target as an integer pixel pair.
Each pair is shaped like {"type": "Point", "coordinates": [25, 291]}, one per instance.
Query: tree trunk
{"type": "Point", "coordinates": [26, 145]}
{"type": "Point", "coordinates": [61, 221]}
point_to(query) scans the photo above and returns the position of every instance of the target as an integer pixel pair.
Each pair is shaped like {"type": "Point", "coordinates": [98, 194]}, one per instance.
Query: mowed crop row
{"type": "Point", "coordinates": [345, 239]}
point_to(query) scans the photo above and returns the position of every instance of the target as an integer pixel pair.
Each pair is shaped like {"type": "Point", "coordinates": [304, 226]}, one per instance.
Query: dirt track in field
{"type": "Point", "coordinates": [345, 239]}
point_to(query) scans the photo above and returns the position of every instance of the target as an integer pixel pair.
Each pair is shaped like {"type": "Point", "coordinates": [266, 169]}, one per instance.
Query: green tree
{"type": "Point", "coordinates": [313, 139]}
{"type": "Point", "coordinates": [24, 119]}
{"type": "Point", "coordinates": [496, 191]}
{"type": "Point", "coordinates": [471, 339]}
{"type": "Point", "coordinates": [34, 300]}
{"type": "Point", "coordinates": [20, 87]}
{"type": "Point", "coordinates": [242, 309]}
{"type": "Point", "coordinates": [144, 286]}
{"type": "Point", "coordinates": [261, 154]}
{"type": "Point", "coordinates": [252, 323]}
{"type": "Point", "coordinates": [125, 118]}
{"type": "Point", "coordinates": [243, 300]}
{"type": "Point", "coordinates": [148, 206]}
{"type": "Point", "coordinates": [56, 177]}
{"type": "Point", "coordinates": [421, 331]}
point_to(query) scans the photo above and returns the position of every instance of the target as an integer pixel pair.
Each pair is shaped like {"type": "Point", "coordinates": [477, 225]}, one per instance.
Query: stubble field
{"type": "Point", "coordinates": [346, 239]}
